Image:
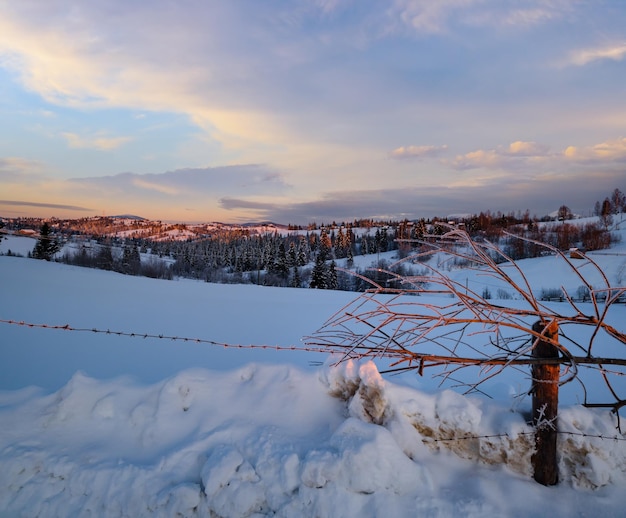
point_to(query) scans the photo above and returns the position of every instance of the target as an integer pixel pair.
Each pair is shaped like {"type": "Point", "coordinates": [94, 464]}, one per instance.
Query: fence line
{"type": "Point", "coordinates": [67, 327]}
{"type": "Point", "coordinates": [509, 436]}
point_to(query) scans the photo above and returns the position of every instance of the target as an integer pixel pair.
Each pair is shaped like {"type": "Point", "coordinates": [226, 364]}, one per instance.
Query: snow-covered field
{"type": "Point", "coordinates": [94, 424]}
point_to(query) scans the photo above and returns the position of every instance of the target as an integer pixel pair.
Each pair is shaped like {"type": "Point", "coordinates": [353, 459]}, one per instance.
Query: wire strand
{"type": "Point", "coordinates": [67, 327]}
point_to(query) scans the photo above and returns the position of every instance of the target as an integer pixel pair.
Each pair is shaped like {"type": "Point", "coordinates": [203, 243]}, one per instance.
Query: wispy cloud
{"type": "Point", "coordinates": [439, 17]}
{"type": "Point", "coordinates": [207, 181]}
{"type": "Point", "coordinates": [586, 56]}
{"type": "Point", "coordinates": [534, 15]}
{"type": "Point", "coordinates": [99, 142]}
{"type": "Point", "coordinates": [154, 186]}
{"type": "Point", "coordinates": [229, 203]}
{"type": "Point", "coordinates": [417, 151]}
{"type": "Point", "coordinates": [43, 205]}
{"type": "Point", "coordinates": [18, 169]}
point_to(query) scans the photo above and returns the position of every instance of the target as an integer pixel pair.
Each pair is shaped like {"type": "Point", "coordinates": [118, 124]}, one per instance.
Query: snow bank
{"type": "Point", "coordinates": [274, 440]}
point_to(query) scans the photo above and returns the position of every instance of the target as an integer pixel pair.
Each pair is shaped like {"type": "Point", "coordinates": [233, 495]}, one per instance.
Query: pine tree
{"type": "Point", "coordinates": [350, 260]}
{"type": "Point", "coordinates": [331, 282]}
{"type": "Point", "coordinates": [302, 254]}
{"type": "Point", "coordinates": [46, 245]}
{"type": "Point", "coordinates": [104, 258]}
{"type": "Point", "coordinates": [292, 255]}
{"type": "Point", "coordinates": [325, 244]}
{"type": "Point", "coordinates": [296, 282]}
{"type": "Point", "coordinates": [282, 267]}
{"type": "Point", "coordinates": [131, 260]}
{"type": "Point", "coordinates": [318, 275]}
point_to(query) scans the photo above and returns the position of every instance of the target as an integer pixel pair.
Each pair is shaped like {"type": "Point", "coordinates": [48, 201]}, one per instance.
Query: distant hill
{"type": "Point", "coordinates": [129, 216]}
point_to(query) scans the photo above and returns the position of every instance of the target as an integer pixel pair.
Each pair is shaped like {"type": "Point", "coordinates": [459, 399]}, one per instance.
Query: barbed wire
{"type": "Point", "coordinates": [67, 327]}
{"type": "Point", "coordinates": [509, 436]}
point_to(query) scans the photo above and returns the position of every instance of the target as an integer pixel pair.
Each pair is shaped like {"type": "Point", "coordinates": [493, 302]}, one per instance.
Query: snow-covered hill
{"type": "Point", "coordinates": [95, 424]}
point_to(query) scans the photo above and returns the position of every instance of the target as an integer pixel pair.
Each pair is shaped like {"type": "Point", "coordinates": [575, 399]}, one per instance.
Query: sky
{"type": "Point", "coordinates": [296, 111]}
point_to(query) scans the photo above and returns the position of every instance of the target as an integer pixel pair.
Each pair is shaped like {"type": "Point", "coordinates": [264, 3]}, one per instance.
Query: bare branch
{"type": "Point", "coordinates": [444, 330]}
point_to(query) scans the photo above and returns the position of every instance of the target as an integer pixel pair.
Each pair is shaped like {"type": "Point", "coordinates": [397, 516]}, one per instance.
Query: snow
{"type": "Point", "coordinates": [17, 245]}
{"type": "Point", "coordinates": [93, 424]}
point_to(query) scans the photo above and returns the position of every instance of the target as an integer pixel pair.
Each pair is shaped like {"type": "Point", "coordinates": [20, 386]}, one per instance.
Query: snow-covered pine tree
{"type": "Point", "coordinates": [325, 245]}
{"type": "Point", "coordinates": [303, 253]}
{"type": "Point", "coordinates": [46, 245]}
{"type": "Point", "coordinates": [131, 260]}
{"type": "Point", "coordinates": [350, 258]}
{"type": "Point", "coordinates": [331, 281]}
{"type": "Point", "coordinates": [292, 254]}
{"type": "Point", "coordinates": [281, 267]}
{"type": "Point", "coordinates": [296, 282]}
{"type": "Point", "coordinates": [319, 273]}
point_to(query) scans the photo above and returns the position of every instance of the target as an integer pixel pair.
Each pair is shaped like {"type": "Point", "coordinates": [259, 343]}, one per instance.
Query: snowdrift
{"type": "Point", "coordinates": [268, 440]}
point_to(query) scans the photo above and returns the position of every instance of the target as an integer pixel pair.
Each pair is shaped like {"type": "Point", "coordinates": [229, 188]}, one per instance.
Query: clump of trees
{"type": "Point", "coordinates": [128, 262]}
{"type": "Point", "coordinates": [563, 236]}
{"type": "Point", "coordinates": [610, 206]}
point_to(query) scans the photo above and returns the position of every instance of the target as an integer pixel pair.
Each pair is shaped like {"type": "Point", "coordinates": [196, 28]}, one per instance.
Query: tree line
{"type": "Point", "coordinates": [306, 258]}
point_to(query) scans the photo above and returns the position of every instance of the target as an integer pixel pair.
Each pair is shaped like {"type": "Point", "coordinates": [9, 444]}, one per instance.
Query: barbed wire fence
{"type": "Point", "coordinates": [159, 336]}
{"type": "Point", "coordinates": [511, 436]}
{"type": "Point", "coordinates": [186, 339]}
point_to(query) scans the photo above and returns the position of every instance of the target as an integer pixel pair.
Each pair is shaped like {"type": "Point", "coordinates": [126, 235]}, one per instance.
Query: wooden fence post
{"type": "Point", "coordinates": [545, 392]}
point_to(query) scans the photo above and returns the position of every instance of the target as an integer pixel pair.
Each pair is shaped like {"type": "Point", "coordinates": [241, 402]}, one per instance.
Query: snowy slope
{"type": "Point", "coordinates": [123, 426]}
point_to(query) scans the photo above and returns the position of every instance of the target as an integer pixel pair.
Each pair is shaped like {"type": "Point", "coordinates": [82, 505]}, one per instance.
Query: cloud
{"type": "Point", "coordinates": [532, 16]}
{"type": "Point", "coordinates": [192, 60]}
{"type": "Point", "coordinates": [154, 186]}
{"type": "Point", "coordinates": [101, 143]}
{"type": "Point", "coordinates": [107, 63]}
{"type": "Point", "coordinates": [17, 169]}
{"type": "Point", "coordinates": [585, 56]}
{"type": "Point", "coordinates": [516, 154]}
{"type": "Point", "coordinates": [43, 205]}
{"type": "Point", "coordinates": [328, 6]}
{"type": "Point", "coordinates": [238, 203]}
{"type": "Point", "coordinates": [525, 154]}
{"type": "Point", "coordinates": [478, 159]}
{"type": "Point", "coordinates": [439, 17]}
{"type": "Point", "coordinates": [541, 194]}
{"type": "Point", "coordinates": [18, 165]}
{"type": "Point", "coordinates": [528, 149]}
{"type": "Point", "coordinates": [425, 16]}
{"type": "Point", "coordinates": [210, 182]}
{"type": "Point", "coordinates": [606, 152]}
{"type": "Point", "coordinates": [417, 151]}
